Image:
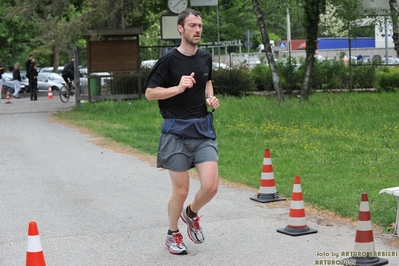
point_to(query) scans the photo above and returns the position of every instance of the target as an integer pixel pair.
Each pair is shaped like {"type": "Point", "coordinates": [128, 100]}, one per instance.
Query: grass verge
{"type": "Point", "coordinates": [341, 145]}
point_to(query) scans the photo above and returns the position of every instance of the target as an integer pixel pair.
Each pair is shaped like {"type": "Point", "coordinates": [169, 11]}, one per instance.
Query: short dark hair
{"type": "Point", "coordinates": [181, 18]}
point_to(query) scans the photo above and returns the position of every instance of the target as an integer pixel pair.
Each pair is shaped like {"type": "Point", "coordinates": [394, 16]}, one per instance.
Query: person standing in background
{"type": "Point", "coordinates": [33, 82]}
{"type": "Point", "coordinates": [16, 76]}
{"type": "Point", "coordinates": [28, 64]}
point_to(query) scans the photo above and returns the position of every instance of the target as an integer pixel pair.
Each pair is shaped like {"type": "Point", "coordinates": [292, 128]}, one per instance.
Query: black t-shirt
{"type": "Point", "coordinates": [168, 71]}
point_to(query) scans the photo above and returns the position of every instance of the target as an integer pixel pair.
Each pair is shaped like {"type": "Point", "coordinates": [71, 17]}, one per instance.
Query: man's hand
{"type": "Point", "coordinates": [213, 102]}
{"type": "Point", "coordinates": [186, 82]}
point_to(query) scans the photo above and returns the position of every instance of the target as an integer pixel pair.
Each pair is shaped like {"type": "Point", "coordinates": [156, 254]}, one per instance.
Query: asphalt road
{"type": "Point", "coordinates": [97, 206]}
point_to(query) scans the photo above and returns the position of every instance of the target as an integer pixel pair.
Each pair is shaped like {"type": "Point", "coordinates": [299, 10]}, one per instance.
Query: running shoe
{"type": "Point", "coordinates": [175, 244]}
{"type": "Point", "coordinates": [194, 230]}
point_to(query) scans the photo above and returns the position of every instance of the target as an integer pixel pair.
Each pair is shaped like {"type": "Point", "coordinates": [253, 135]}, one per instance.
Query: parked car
{"type": "Point", "coordinates": [105, 77]}
{"type": "Point", "coordinates": [54, 77]}
{"type": "Point", "coordinates": [51, 70]}
{"type": "Point", "coordinates": [217, 65]}
{"type": "Point", "coordinates": [44, 83]}
{"type": "Point", "coordinates": [8, 83]}
{"type": "Point", "coordinates": [83, 74]}
{"type": "Point", "coordinates": [251, 63]}
{"type": "Point", "coordinates": [391, 61]}
{"type": "Point", "coordinates": [148, 63]}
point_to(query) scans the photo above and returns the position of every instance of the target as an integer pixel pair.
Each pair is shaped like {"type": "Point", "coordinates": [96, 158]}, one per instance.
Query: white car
{"type": "Point", "coordinates": [148, 63]}
{"type": "Point", "coordinates": [217, 65]}
{"type": "Point", "coordinates": [251, 63]}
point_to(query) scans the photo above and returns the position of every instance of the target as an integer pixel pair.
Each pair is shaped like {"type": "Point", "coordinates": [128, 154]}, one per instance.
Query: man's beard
{"type": "Point", "coordinates": [191, 41]}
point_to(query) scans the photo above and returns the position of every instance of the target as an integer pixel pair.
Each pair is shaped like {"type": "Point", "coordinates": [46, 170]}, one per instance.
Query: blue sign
{"type": "Point", "coordinates": [282, 45]}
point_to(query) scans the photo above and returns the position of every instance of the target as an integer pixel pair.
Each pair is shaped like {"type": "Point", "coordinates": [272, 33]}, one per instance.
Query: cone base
{"type": "Point", "coordinates": [369, 261]}
{"type": "Point", "coordinates": [266, 198]}
{"type": "Point", "coordinates": [297, 231]}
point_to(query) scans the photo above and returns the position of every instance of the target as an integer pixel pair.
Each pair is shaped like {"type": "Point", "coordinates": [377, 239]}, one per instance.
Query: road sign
{"type": "Point", "coordinates": [282, 45]}
{"type": "Point", "coordinates": [248, 44]}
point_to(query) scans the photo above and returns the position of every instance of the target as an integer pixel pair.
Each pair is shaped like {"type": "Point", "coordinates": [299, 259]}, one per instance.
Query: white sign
{"type": "Point", "coordinates": [204, 2]}
{"type": "Point", "coordinates": [169, 28]}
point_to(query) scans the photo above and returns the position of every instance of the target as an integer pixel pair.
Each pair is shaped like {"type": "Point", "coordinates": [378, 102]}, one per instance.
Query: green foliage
{"type": "Point", "coordinates": [387, 79]}
{"type": "Point", "coordinates": [235, 81]}
{"type": "Point", "coordinates": [262, 78]}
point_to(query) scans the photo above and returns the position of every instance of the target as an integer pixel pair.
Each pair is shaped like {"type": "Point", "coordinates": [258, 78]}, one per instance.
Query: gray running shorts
{"type": "Point", "coordinates": [181, 154]}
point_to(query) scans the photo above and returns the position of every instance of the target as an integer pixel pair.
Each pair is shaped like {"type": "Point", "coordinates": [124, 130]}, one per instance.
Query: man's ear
{"type": "Point", "coordinates": [180, 29]}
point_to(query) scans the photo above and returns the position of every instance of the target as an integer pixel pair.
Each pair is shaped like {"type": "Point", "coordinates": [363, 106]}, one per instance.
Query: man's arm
{"type": "Point", "coordinates": [159, 93]}
{"type": "Point", "coordinates": [211, 100]}
{"type": "Point", "coordinates": [209, 89]}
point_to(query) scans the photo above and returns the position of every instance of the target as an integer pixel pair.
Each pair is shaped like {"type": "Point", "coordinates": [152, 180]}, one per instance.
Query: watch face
{"type": "Point", "coordinates": [177, 6]}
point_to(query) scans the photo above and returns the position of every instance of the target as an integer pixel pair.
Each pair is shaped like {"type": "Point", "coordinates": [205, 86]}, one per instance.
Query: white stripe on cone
{"type": "Point", "coordinates": [364, 206]}
{"type": "Point", "coordinates": [267, 176]}
{"type": "Point", "coordinates": [267, 161]}
{"type": "Point", "coordinates": [297, 222]}
{"type": "Point", "coordinates": [365, 247]}
{"type": "Point", "coordinates": [298, 205]}
{"type": "Point", "coordinates": [297, 188]}
{"type": "Point", "coordinates": [34, 244]}
{"type": "Point", "coordinates": [364, 226]}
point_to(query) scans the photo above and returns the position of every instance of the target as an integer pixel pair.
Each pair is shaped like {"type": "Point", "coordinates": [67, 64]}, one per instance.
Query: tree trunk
{"type": "Point", "coordinates": [313, 9]}
{"type": "Point", "coordinates": [56, 56]}
{"type": "Point", "coordinates": [268, 50]}
{"type": "Point", "coordinates": [394, 8]}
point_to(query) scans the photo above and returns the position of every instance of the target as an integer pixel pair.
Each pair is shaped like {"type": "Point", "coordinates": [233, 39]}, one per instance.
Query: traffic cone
{"type": "Point", "coordinates": [34, 254]}
{"type": "Point", "coordinates": [267, 190]}
{"type": "Point", "coordinates": [50, 93]}
{"type": "Point", "coordinates": [8, 98]}
{"type": "Point", "coordinates": [297, 220]}
{"type": "Point", "coordinates": [364, 251]}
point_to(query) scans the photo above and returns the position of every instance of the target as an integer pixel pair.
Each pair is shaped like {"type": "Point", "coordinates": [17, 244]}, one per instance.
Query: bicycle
{"type": "Point", "coordinates": [66, 92]}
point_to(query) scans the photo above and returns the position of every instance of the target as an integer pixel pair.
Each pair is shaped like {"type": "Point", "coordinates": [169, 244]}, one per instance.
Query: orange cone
{"type": "Point", "coordinates": [8, 98]}
{"type": "Point", "coordinates": [34, 254]}
{"type": "Point", "coordinates": [297, 220]}
{"type": "Point", "coordinates": [50, 93]}
{"type": "Point", "coordinates": [364, 251]}
{"type": "Point", "coordinates": [267, 190]}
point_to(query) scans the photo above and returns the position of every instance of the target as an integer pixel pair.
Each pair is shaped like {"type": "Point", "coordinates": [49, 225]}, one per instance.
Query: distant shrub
{"type": "Point", "coordinates": [387, 79]}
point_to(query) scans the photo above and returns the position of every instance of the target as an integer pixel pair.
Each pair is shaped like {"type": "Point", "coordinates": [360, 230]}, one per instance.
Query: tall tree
{"type": "Point", "coordinates": [394, 9]}
{"type": "Point", "coordinates": [56, 24]}
{"type": "Point", "coordinates": [268, 50]}
{"type": "Point", "coordinates": [312, 10]}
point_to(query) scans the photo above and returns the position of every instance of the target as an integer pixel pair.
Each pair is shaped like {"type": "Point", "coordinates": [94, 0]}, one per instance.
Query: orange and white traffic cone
{"type": "Point", "coordinates": [8, 98]}
{"type": "Point", "coordinates": [297, 220]}
{"type": "Point", "coordinates": [50, 93]}
{"type": "Point", "coordinates": [34, 253]}
{"type": "Point", "coordinates": [267, 190]}
{"type": "Point", "coordinates": [364, 251]}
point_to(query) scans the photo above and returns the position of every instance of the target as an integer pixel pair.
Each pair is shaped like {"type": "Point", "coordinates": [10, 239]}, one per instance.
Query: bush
{"type": "Point", "coordinates": [262, 78]}
{"type": "Point", "coordinates": [235, 81]}
{"type": "Point", "coordinates": [387, 79]}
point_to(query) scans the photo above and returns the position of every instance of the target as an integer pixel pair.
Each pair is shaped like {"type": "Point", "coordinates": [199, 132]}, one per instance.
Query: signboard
{"type": "Point", "coordinates": [118, 55]}
{"type": "Point", "coordinates": [368, 4]}
{"type": "Point", "coordinates": [282, 45]}
{"type": "Point", "coordinates": [381, 6]}
{"type": "Point", "coordinates": [169, 28]}
{"type": "Point", "coordinates": [204, 2]}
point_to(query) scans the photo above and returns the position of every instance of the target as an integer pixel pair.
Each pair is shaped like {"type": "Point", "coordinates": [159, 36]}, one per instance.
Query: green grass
{"type": "Point", "coordinates": [340, 145]}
